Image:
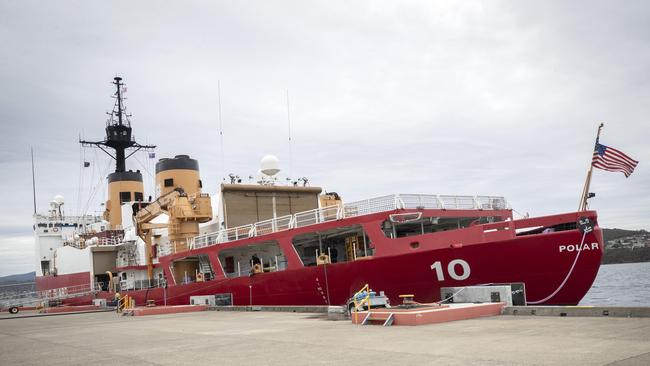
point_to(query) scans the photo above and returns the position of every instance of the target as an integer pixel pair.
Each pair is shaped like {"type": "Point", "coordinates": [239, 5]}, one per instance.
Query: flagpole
{"type": "Point", "coordinates": [585, 190]}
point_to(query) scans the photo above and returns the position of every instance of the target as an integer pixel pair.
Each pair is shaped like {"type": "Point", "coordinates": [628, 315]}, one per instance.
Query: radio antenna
{"type": "Point", "coordinates": [223, 164]}
{"type": "Point", "coordinates": [33, 179]}
{"type": "Point", "coordinates": [289, 127]}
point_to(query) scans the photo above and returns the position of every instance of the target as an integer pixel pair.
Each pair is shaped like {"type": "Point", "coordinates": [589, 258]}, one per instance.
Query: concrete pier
{"type": "Point", "coordinates": [285, 338]}
{"type": "Point", "coordinates": [589, 311]}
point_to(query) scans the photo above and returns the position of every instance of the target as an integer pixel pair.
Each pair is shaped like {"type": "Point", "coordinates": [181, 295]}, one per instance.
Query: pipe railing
{"type": "Point", "coordinates": [352, 209]}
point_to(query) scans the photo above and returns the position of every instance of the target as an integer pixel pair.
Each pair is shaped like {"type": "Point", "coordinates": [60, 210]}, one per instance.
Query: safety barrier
{"type": "Point", "coordinates": [125, 303]}
{"type": "Point", "coordinates": [361, 298]}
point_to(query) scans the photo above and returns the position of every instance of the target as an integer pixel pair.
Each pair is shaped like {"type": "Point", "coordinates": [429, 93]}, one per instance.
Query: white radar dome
{"type": "Point", "coordinates": [270, 165]}
{"type": "Point", "coordinates": [58, 199]}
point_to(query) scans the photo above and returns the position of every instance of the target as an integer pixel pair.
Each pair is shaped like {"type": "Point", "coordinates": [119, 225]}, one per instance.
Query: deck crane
{"type": "Point", "coordinates": [185, 212]}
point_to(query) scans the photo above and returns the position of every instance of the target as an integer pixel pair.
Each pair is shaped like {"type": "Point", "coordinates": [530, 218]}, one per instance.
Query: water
{"type": "Point", "coordinates": [625, 284]}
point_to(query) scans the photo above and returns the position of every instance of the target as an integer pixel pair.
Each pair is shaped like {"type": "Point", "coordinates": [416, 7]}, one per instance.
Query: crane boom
{"type": "Point", "coordinates": [185, 213]}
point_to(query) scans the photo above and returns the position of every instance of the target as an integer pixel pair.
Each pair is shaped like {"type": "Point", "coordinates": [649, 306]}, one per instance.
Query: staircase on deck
{"type": "Point", "coordinates": [205, 267]}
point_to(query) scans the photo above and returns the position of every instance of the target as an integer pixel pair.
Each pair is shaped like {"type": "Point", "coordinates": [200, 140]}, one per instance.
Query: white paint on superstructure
{"type": "Point", "coordinates": [127, 216]}
{"type": "Point", "coordinates": [72, 260]}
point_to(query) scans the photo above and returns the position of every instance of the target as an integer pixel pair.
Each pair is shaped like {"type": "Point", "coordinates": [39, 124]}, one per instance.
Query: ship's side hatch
{"type": "Point", "coordinates": [341, 244]}
{"type": "Point", "coordinates": [398, 227]}
{"type": "Point", "coordinates": [185, 270]}
{"type": "Point", "coordinates": [103, 279]}
{"type": "Point", "coordinates": [192, 269]}
{"type": "Point", "coordinates": [262, 257]}
{"type": "Point", "coordinates": [104, 260]}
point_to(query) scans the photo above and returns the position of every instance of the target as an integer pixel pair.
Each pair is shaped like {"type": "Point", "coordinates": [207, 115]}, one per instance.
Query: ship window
{"type": "Point", "coordinates": [138, 196]}
{"type": "Point", "coordinates": [242, 261]}
{"type": "Point", "coordinates": [125, 197]}
{"type": "Point", "coordinates": [341, 244]}
{"type": "Point", "coordinates": [169, 182]}
{"type": "Point", "coordinates": [427, 225]}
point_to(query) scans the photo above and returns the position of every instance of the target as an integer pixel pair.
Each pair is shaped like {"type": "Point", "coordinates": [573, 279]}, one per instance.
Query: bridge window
{"type": "Point", "coordinates": [138, 196]}
{"type": "Point", "coordinates": [169, 182]}
{"type": "Point", "coordinates": [341, 244]}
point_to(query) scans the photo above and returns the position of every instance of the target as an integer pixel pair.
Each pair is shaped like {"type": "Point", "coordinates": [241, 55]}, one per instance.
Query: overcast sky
{"type": "Point", "coordinates": [458, 97]}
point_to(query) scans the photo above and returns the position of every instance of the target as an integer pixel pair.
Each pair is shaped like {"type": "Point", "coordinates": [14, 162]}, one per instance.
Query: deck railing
{"type": "Point", "coordinates": [141, 284]}
{"type": "Point", "coordinates": [70, 291]}
{"type": "Point", "coordinates": [34, 297]}
{"type": "Point", "coordinates": [337, 212]}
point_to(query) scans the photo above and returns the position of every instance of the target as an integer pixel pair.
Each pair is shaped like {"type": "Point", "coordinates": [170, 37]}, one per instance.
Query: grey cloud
{"type": "Point", "coordinates": [434, 97]}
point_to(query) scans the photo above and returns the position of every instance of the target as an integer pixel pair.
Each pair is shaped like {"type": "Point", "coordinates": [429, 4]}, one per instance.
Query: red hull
{"type": "Point", "coordinates": [538, 261]}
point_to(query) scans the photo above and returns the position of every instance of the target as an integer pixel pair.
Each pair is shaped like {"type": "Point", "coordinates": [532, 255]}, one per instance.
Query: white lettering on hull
{"type": "Point", "coordinates": [577, 247]}
{"type": "Point", "coordinates": [452, 270]}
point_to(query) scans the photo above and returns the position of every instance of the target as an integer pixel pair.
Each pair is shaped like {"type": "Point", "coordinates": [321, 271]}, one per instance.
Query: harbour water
{"type": "Point", "coordinates": [626, 284]}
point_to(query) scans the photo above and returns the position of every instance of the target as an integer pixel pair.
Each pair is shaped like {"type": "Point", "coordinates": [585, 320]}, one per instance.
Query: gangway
{"type": "Point", "coordinates": [14, 302]}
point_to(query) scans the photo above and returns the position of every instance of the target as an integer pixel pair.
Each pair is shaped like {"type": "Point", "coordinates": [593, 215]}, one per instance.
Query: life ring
{"type": "Point", "coordinates": [199, 277]}
{"type": "Point", "coordinates": [257, 268]}
{"type": "Point", "coordinates": [55, 229]}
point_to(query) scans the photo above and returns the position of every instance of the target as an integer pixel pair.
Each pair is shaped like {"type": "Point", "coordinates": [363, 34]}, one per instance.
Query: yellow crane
{"type": "Point", "coordinates": [185, 212]}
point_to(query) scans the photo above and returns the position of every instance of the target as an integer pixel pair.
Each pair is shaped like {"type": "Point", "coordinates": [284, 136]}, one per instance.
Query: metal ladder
{"type": "Point", "coordinates": [387, 322]}
{"type": "Point", "coordinates": [205, 267]}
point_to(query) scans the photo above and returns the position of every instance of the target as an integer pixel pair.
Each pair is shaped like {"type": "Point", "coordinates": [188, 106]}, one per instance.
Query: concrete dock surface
{"type": "Point", "coordinates": [270, 338]}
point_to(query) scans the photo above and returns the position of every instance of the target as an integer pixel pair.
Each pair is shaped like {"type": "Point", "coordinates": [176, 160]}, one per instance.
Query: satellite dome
{"type": "Point", "coordinates": [270, 165]}
{"type": "Point", "coordinates": [58, 199]}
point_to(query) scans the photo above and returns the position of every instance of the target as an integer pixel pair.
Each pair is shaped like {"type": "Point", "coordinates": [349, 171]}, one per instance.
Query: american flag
{"type": "Point", "coordinates": [610, 159]}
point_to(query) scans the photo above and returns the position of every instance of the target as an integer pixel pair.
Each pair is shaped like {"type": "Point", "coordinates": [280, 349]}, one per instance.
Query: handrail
{"type": "Point", "coordinates": [360, 297]}
{"type": "Point", "coordinates": [125, 302]}
{"type": "Point", "coordinates": [337, 212]}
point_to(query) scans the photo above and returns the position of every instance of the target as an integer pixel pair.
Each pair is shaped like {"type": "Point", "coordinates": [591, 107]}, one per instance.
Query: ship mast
{"type": "Point", "coordinates": [123, 186]}
{"type": "Point", "coordinates": [118, 132]}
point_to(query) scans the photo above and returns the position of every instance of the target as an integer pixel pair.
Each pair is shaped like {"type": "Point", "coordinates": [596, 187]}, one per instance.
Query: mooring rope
{"type": "Point", "coordinates": [584, 235]}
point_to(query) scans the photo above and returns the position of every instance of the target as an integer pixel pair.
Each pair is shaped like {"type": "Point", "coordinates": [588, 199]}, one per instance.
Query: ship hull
{"type": "Point", "coordinates": [555, 268]}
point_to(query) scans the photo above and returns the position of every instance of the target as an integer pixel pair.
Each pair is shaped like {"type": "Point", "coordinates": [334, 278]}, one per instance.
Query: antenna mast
{"type": "Point", "coordinates": [223, 163]}
{"type": "Point", "coordinates": [289, 125]}
{"type": "Point", "coordinates": [33, 179]}
{"type": "Point", "coordinates": [118, 132]}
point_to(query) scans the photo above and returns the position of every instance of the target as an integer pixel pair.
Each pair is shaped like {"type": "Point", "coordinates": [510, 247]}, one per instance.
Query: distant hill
{"type": "Point", "coordinates": [18, 278]}
{"type": "Point", "coordinates": [611, 234]}
{"type": "Point", "coordinates": [617, 253]}
{"type": "Point", "coordinates": [626, 255]}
